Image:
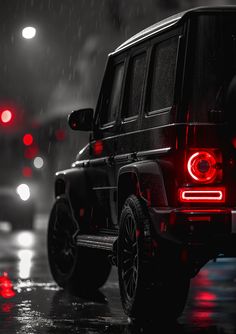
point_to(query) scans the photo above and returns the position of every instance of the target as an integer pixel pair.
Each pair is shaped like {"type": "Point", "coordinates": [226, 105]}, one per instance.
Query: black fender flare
{"type": "Point", "coordinates": [145, 179]}
{"type": "Point", "coordinates": [73, 183]}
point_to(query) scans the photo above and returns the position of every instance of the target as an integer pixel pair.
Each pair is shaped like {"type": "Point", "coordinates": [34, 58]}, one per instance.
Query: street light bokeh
{"type": "Point", "coordinates": [6, 116]}
{"type": "Point", "coordinates": [29, 32]}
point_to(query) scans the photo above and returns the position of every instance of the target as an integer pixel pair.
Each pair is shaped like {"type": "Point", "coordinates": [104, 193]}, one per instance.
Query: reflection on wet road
{"type": "Point", "coordinates": [30, 301]}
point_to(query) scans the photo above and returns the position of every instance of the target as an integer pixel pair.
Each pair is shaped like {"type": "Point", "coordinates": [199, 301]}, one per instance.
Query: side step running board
{"type": "Point", "coordinates": [95, 241]}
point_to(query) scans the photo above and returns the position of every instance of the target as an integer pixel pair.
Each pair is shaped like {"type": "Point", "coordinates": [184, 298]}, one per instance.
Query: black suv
{"type": "Point", "coordinates": [153, 192]}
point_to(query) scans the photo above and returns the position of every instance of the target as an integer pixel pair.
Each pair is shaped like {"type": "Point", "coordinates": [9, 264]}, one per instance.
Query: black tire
{"type": "Point", "coordinates": [145, 291]}
{"type": "Point", "coordinates": [75, 268]}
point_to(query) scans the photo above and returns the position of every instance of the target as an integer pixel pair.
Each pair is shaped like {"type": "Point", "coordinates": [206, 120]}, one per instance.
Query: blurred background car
{"type": "Point", "coordinates": [18, 190]}
{"type": "Point", "coordinates": [17, 206]}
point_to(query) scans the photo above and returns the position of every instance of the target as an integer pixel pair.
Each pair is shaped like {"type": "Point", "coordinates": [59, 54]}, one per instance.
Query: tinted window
{"type": "Point", "coordinates": [162, 76]}
{"type": "Point", "coordinates": [111, 101]}
{"type": "Point", "coordinates": [214, 65]}
{"type": "Point", "coordinates": [136, 73]}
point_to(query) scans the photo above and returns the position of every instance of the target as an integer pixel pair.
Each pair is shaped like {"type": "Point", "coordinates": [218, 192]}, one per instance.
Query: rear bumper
{"type": "Point", "coordinates": [211, 228]}
{"type": "Point", "coordinates": [188, 238]}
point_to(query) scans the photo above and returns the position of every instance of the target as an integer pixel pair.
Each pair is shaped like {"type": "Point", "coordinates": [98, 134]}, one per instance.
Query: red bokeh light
{"type": "Point", "coordinates": [60, 134]}
{"type": "Point", "coordinates": [31, 152]}
{"type": "Point", "coordinates": [28, 139]}
{"type": "Point", "coordinates": [98, 147]}
{"type": "Point", "coordinates": [27, 171]}
{"type": "Point", "coordinates": [6, 287]}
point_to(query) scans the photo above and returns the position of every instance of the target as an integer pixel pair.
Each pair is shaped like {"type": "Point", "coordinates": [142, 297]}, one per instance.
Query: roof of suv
{"type": "Point", "coordinates": [168, 22]}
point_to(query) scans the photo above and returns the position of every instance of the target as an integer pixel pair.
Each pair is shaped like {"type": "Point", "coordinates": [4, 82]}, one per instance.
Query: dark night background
{"type": "Point", "coordinates": [61, 68]}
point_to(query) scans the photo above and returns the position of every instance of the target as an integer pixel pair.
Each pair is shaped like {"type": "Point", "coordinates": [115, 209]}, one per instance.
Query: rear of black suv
{"type": "Point", "coordinates": [153, 191]}
{"type": "Point", "coordinates": [212, 101]}
{"type": "Point", "coordinates": [200, 219]}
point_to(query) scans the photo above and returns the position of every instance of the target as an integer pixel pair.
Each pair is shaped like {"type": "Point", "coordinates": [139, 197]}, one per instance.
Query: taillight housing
{"type": "Point", "coordinates": [204, 166]}
{"type": "Point", "coordinates": [204, 175]}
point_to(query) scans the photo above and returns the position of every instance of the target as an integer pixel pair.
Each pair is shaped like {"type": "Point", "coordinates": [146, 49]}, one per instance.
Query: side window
{"type": "Point", "coordinates": [162, 75]}
{"type": "Point", "coordinates": [111, 97]}
{"type": "Point", "coordinates": [134, 87]}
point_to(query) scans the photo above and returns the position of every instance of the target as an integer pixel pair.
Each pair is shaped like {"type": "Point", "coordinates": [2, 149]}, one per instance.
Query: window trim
{"type": "Point", "coordinates": [108, 125]}
{"type": "Point", "coordinates": [130, 119]}
{"type": "Point", "coordinates": [157, 112]}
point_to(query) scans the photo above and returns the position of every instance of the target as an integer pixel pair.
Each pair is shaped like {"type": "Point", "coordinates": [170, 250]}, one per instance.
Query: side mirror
{"type": "Point", "coordinates": [81, 119]}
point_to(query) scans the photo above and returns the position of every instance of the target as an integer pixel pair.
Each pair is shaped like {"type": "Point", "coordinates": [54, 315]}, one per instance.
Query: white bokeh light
{"type": "Point", "coordinates": [25, 239]}
{"type": "Point", "coordinates": [25, 263]}
{"type": "Point", "coordinates": [29, 32]}
{"type": "Point", "coordinates": [38, 162]}
{"type": "Point", "coordinates": [23, 191]}
{"type": "Point", "coordinates": [6, 116]}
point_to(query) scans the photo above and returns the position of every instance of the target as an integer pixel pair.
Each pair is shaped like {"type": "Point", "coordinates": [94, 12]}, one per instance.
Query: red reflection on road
{"type": "Point", "coordinates": [202, 279]}
{"type": "Point", "coordinates": [7, 307]}
{"type": "Point", "coordinates": [204, 299]}
{"type": "Point", "coordinates": [6, 286]}
{"type": "Point", "coordinates": [205, 296]}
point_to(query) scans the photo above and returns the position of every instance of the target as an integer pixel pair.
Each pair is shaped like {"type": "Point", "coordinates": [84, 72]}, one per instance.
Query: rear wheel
{"type": "Point", "coordinates": [73, 267]}
{"type": "Point", "coordinates": [146, 291]}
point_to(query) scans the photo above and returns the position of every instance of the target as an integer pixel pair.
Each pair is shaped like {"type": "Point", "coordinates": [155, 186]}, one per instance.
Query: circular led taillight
{"type": "Point", "coordinates": [202, 167]}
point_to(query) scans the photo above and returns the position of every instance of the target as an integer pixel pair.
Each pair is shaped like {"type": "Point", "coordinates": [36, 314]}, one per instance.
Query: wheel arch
{"type": "Point", "coordinates": [73, 184]}
{"type": "Point", "coordinates": [143, 179]}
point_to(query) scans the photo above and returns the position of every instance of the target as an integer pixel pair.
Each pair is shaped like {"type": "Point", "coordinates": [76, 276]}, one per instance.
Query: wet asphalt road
{"type": "Point", "coordinates": [30, 301]}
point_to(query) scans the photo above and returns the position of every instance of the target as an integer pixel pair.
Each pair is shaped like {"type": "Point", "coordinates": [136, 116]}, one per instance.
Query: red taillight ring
{"type": "Point", "coordinates": [202, 167]}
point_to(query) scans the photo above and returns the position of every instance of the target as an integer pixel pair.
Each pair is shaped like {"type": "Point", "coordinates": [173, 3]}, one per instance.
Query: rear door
{"type": "Point", "coordinates": [104, 146]}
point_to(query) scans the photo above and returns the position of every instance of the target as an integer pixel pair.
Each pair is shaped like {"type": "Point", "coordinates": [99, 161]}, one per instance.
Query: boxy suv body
{"type": "Point", "coordinates": [154, 190]}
